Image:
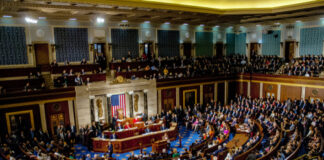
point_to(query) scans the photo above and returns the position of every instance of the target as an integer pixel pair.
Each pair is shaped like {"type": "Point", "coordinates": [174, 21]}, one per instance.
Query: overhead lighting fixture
{"type": "Point", "coordinates": [41, 17]}
{"type": "Point", "coordinates": [201, 25]}
{"type": "Point", "coordinates": [124, 21]}
{"type": "Point", "coordinates": [73, 19]}
{"type": "Point", "coordinates": [277, 23]}
{"type": "Point", "coordinates": [185, 24]}
{"type": "Point", "coordinates": [258, 25]}
{"type": "Point", "coordinates": [147, 22]}
{"type": "Point", "coordinates": [7, 16]}
{"type": "Point", "coordinates": [100, 20]}
{"type": "Point", "coordinates": [216, 26]}
{"type": "Point", "coordinates": [167, 23]}
{"type": "Point", "coordinates": [30, 20]}
{"type": "Point", "coordinates": [298, 21]}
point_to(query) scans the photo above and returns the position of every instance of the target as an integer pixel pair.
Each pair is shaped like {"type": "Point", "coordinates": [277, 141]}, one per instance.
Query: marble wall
{"type": "Point", "coordinates": [84, 93]}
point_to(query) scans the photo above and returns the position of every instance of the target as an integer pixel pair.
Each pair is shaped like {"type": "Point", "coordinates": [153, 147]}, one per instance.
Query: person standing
{"type": "Point", "coordinates": [110, 149]}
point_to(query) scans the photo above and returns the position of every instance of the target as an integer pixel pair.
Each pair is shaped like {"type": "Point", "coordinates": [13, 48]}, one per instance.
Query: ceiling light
{"type": "Point", "coordinates": [258, 25]}
{"type": "Point", "coordinates": [30, 20]}
{"type": "Point", "coordinates": [185, 24]}
{"type": "Point", "coordinates": [322, 18]}
{"type": "Point", "coordinates": [124, 21]}
{"type": "Point", "coordinates": [298, 21]}
{"type": "Point", "coordinates": [6, 16]}
{"type": "Point", "coordinates": [202, 25]}
{"type": "Point", "coordinates": [217, 26]}
{"type": "Point", "coordinates": [167, 23]}
{"type": "Point", "coordinates": [147, 22]}
{"type": "Point", "coordinates": [241, 26]}
{"type": "Point", "coordinates": [277, 23]}
{"type": "Point", "coordinates": [73, 19]}
{"type": "Point", "coordinates": [100, 20]}
{"type": "Point", "coordinates": [41, 17]}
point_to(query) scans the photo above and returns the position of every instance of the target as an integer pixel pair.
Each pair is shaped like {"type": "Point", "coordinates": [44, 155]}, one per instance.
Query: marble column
{"type": "Point", "coordinates": [159, 109]}
{"type": "Point", "coordinates": [92, 110]}
{"type": "Point", "coordinates": [249, 89]}
{"type": "Point", "coordinates": [261, 89]}
{"type": "Point", "coordinates": [201, 97]}
{"type": "Point", "coordinates": [303, 92]}
{"type": "Point", "coordinates": [145, 103]}
{"type": "Point", "coordinates": [279, 92]}
{"type": "Point", "coordinates": [226, 92]}
{"type": "Point", "coordinates": [43, 116]}
{"type": "Point", "coordinates": [109, 108]}
{"type": "Point", "coordinates": [131, 105]}
{"type": "Point", "coordinates": [178, 97]}
{"type": "Point", "coordinates": [71, 112]}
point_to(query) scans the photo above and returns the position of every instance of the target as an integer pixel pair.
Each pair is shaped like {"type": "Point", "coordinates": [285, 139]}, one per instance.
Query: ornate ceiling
{"type": "Point", "coordinates": [195, 12]}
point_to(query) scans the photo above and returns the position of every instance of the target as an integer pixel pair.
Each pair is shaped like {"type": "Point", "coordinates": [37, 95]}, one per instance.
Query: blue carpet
{"type": "Point", "coordinates": [188, 138]}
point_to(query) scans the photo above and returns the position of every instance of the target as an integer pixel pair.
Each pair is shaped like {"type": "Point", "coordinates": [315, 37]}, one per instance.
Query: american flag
{"type": "Point", "coordinates": [118, 102]}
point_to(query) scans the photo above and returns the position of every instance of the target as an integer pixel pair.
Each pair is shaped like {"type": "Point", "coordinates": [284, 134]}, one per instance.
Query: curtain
{"type": "Point", "coordinates": [124, 40]}
{"type": "Point", "coordinates": [311, 41]}
{"type": "Point", "coordinates": [271, 43]}
{"type": "Point", "coordinates": [13, 49]}
{"type": "Point", "coordinates": [71, 44]}
{"type": "Point", "coordinates": [230, 43]}
{"type": "Point", "coordinates": [204, 43]}
{"type": "Point", "coordinates": [240, 43]}
{"type": "Point", "coordinates": [168, 43]}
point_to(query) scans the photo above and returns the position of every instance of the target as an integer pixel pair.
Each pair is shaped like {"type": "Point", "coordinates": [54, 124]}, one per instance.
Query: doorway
{"type": "Point", "coordinates": [55, 121]}
{"type": "Point", "coordinates": [289, 50]}
{"type": "Point", "coordinates": [187, 50]}
{"type": "Point", "coordinates": [148, 49]}
{"type": "Point", "coordinates": [168, 104]}
{"type": "Point", "coordinates": [254, 48]}
{"type": "Point", "coordinates": [219, 50]}
{"type": "Point", "coordinates": [41, 54]}
{"type": "Point", "coordinates": [190, 97]}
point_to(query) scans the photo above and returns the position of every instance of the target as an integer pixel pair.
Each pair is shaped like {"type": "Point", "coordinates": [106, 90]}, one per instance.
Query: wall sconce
{"type": "Point", "coordinates": [91, 47]}
{"type": "Point", "coordinates": [30, 48]}
{"type": "Point", "coordinates": [53, 47]}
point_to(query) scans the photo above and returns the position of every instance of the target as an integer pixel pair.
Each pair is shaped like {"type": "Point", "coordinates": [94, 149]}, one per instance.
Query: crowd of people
{"type": "Point", "coordinates": [308, 66]}
{"type": "Point", "coordinates": [186, 67]}
{"type": "Point", "coordinates": [41, 145]}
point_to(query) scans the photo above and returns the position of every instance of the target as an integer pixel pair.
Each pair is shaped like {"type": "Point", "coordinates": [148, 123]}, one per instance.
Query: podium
{"type": "Point", "coordinates": [159, 145]}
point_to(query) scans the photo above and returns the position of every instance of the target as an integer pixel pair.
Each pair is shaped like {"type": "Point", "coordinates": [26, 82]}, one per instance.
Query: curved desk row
{"type": "Point", "coordinates": [134, 142]}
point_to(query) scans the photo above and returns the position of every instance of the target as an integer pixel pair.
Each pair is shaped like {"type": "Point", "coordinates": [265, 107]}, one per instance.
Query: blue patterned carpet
{"type": "Point", "coordinates": [188, 138]}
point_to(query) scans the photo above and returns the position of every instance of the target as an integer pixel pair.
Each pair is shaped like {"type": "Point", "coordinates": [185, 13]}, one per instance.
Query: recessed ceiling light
{"type": "Point", "coordinates": [298, 21]}
{"type": "Point", "coordinates": [322, 18]}
{"type": "Point", "coordinates": [277, 23]}
{"type": "Point", "coordinates": [147, 22]}
{"type": "Point", "coordinates": [6, 16]}
{"type": "Point", "coordinates": [100, 20]}
{"type": "Point", "coordinates": [41, 17]}
{"type": "Point", "coordinates": [258, 25]}
{"type": "Point", "coordinates": [185, 24]}
{"type": "Point", "coordinates": [217, 26]}
{"type": "Point", "coordinates": [30, 20]}
{"type": "Point", "coordinates": [202, 25]}
{"type": "Point", "coordinates": [124, 21]}
{"type": "Point", "coordinates": [73, 19]}
{"type": "Point", "coordinates": [166, 22]}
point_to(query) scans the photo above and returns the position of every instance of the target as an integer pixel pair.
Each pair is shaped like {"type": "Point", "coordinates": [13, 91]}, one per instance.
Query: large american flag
{"type": "Point", "coordinates": [118, 102]}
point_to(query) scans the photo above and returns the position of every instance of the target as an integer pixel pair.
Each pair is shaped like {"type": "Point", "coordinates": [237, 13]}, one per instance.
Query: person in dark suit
{"type": "Point", "coordinates": [163, 127]}
{"type": "Point", "coordinates": [147, 130]}
{"type": "Point", "coordinates": [119, 127]}
{"type": "Point", "coordinates": [113, 136]}
{"type": "Point", "coordinates": [110, 149]}
{"type": "Point", "coordinates": [103, 136]}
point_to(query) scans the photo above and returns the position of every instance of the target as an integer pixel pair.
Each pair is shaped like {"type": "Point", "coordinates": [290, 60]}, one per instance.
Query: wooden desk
{"type": "Point", "coordinates": [159, 145]}
{"type": "Point", "coordinates": [238, 140]}
{"type": "Point", "coordinates": [132, 143]}
{"type": "Point", "coordinates": [133, 131]}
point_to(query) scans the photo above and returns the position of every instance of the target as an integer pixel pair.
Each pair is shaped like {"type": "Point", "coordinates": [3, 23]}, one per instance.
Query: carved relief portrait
{"type": "Point", "coordinates": [136, 98]}
{"type": "Point", "coordinates": [100, 109]}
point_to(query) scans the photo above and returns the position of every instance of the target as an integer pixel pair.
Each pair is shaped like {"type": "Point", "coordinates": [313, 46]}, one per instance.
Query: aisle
{"type": "Point", "coordinates": [188, 138]}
